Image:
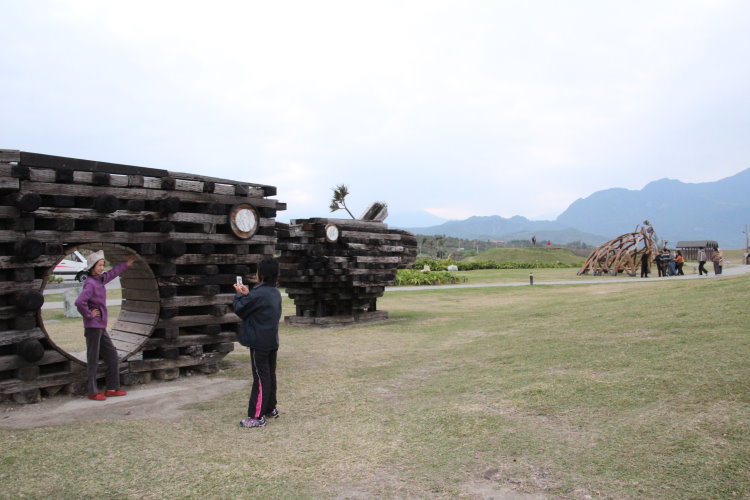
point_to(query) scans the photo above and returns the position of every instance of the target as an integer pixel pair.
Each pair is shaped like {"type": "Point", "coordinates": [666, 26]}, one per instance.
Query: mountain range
{"type": "Point", "coordinates": [678, 211]}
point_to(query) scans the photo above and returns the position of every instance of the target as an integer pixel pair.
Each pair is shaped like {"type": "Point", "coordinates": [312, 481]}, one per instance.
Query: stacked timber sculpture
{"type": "Point", "coordinates": [622, 254]}
{"type": "Point", "coordinates": [191, 234]}
{"type": "Point", "coordinates": [335, 269]}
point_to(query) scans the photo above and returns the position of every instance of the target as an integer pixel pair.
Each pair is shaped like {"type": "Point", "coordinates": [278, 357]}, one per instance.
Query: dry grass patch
{"type": "Point", "coordinates": [554, 391]}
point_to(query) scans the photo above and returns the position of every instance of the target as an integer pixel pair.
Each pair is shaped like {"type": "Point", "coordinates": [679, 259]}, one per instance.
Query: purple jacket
{"type": "Point", "coordinates": [94, 296]}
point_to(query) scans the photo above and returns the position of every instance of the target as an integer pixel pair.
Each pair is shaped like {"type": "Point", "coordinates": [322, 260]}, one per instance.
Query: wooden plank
{"type": "Point", "coordinates": [198, 300]}
{"type": "Point", "coordinates": [49, 161]}
{"type": "Point", "coordinates": [12, 286]}
{"type": "Point", "coordinates": [140, 295]}
{"type": "Point", "coordinates": [188, 340]}
{"type": "Point", "coordinates": [197, 320]}
{"type": "Point", "coordinates": [7, 212]}
{"type": "Point", "coordinates": [10, 155]}
{"type": "Point", "coordinates": [190, 280]}
{"type": "Point", "coordinates": [125, 237]}
{"type": "Point", "coordinates": [160, 364]}
{"type": "Point", "coordinates": [360, 235]}
{"type": "Point", "coordinates": [134, 339]}
{"type": "Point", "coordinates": [226, 182]}
{"type": "Point", "coordinates": [9, 183]}
{"type": "Point", "coordinates": [138, 283]}
{"type": "Point", "coordinates": [190, 259]}
{"type": "Point", "coordinates": [141, 306]}
{"type": "Point", "coordinates": [13, 361]}
{"type": "Point", "coordinates": [9, 337]}
{"type": "Point", "coordinates": [91, 214]}
{"type": "Point", "coordinates": [138, 317]}
{"type": "Point", "coordinates": [137, 193]}
{"type": "Point", "coordinates": [138, 328]}
{"type": "Point", "coordinates": [379, 260]}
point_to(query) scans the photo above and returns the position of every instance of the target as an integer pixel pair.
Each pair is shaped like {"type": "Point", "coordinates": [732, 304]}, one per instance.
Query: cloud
{"type": "Point", "coordinates": [477, 107]}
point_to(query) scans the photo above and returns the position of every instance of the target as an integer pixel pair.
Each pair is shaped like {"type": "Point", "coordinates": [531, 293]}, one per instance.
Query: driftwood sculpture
{"type": "Point", "coordinates": [191, 234]}
{"type": "Point", "coordinates": [622, 254]}
{"type": "Point", "coordinates": [335, 269]}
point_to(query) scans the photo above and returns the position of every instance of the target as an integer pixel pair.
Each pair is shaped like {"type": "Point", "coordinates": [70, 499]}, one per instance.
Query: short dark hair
{"type": "Point", "coordinates": [268, 269]}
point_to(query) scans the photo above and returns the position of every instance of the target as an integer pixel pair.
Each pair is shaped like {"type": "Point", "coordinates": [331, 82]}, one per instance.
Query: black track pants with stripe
{"type": "Point", "coordinates": [263, 393]}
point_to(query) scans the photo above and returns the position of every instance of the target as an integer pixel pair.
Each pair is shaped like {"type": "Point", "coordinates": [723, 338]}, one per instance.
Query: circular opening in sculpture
{"type": "Point", "coordinates": [132, 302]}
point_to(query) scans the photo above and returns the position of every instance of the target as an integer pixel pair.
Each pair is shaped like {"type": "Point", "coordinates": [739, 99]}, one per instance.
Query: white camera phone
{"type": "Point", "coordinates": [239, 280]}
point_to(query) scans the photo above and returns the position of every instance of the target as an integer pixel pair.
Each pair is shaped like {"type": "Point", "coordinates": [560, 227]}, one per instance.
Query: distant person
{"type": "Point", "coordinates": [260, 310]}
{"type": "Point", "coordinates": [92, 304]}
{"type": "Point", "coordinates": [716, 259]}
{"type": "Point", "coordinates": [679, 261]}
{"type": "Point", "coordinates": [672, 264]}
{"type": "Point", "coordinates": [659, 264]}
{"type": "Point", "coordinates": [549, 242]}
{"type": "Point", "coordinates": [644, 265]}
{"type": "Point", "coordinates": [702, 262]}
{"type": "Point", "coordinates": [533, 241]}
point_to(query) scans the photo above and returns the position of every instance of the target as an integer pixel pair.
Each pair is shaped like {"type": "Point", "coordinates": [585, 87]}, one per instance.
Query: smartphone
{"type": "Point", "coordinates": [239, 280]}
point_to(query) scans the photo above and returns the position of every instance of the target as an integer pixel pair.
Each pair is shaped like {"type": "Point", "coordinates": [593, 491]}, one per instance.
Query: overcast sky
{"type": "Point", "coordinates": [455, 108]}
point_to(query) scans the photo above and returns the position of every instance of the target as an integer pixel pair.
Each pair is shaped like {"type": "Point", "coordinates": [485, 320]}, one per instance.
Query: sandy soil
{"type": "Point", "coordinates": [160, 400]}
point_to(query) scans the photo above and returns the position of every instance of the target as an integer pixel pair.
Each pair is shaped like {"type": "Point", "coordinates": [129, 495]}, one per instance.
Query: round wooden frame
{"type": "Point", "coordinates": [234, 214]}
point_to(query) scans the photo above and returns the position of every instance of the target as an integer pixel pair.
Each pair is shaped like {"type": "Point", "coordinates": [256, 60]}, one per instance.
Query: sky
{"type": "Point", "coordinates": [452, 108]}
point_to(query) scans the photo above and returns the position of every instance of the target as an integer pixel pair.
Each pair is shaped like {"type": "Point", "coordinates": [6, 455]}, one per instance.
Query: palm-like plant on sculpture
{"type": "Point", "coordinates": [338, 202]}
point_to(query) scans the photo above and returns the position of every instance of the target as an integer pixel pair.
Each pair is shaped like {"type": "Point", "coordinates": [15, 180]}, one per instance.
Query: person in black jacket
{"type": "Point", "coordinates": [260, 310]}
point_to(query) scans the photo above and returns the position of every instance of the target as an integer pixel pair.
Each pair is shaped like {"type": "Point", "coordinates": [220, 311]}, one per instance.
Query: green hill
{"type": "Point", "coordinates": [529, 255]}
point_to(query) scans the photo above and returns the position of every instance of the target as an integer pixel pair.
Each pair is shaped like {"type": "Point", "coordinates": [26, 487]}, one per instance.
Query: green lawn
{"type": "Point", "coordinates": [569, 391]}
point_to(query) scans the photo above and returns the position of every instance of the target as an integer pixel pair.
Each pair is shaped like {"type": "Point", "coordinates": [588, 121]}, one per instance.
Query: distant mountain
{"type": "Point", "coordinates": [413, 219]}
{"type": "Point", "coordinates": [678, 211]}
{"type": "Point", "coordinates": [498, 228]}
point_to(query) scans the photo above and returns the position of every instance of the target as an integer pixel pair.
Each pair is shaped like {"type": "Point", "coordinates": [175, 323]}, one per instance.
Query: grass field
{"type": "Point", "coordinates": [552, 255]}
{"type": "Point", "coordinates": [611, 390]}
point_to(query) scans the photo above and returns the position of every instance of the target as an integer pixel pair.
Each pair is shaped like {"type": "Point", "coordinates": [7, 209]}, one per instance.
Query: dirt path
{"type": "Point", "coordinates": [160, 400]}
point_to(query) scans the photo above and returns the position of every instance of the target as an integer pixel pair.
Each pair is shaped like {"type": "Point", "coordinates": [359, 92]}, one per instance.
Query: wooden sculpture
{"type": "Point", "coordinates": [191, 234]}
{"type": "Point", "coordinates": [622, 254]}
{"type": "Point", "coordinates": [335, 269]}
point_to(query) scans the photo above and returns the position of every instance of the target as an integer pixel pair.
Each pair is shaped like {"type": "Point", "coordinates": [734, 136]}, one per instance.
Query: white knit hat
{"type": "Point", "coordinates": [92, 259]}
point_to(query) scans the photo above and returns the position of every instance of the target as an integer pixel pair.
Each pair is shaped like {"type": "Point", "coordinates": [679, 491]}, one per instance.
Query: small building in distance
{"type": "Point", "coordinates": [690, 249]}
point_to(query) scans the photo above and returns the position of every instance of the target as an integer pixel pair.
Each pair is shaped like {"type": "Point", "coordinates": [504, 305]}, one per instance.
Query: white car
{"type": "Point", "coordinates": [72, 267]}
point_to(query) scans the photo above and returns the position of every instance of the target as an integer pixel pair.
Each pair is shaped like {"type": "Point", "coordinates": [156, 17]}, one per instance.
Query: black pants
{"type": "Point", "coordinates": [702, 267]}
{"type": "Point", "coordinates": [99, 345]}
{"type": "Point", "coordinates": [679, 269]}
{"type": "Point", "coordinates": [263, 393]}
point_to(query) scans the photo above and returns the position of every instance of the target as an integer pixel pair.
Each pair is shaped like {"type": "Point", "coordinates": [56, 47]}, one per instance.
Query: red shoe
{"type": "Point", "coordinates": [118, 392]}
{"type": "Point", "coordinates": [98, 397]}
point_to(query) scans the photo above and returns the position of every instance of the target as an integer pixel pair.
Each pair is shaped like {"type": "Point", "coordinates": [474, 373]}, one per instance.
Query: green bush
{"type": "Point", "coordinates": [416, 277]}
{"type": "Point", "coordinates": [442, 265]}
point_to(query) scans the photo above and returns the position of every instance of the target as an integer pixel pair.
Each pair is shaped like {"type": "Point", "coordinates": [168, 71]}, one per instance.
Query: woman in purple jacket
{"type": "Point", "coordinates": [92, 304]}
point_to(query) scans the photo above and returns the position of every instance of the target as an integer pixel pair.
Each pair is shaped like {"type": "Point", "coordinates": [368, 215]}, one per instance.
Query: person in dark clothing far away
{"type": "Point", "coordinates": [644, 265]}
{"type": "Point", "coordinates": [260, 311]}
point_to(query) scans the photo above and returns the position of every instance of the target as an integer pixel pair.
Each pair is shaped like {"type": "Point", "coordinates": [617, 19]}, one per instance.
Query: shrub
{"type": "Point", "coordinates": [442, 265]}
{"type": "Point", "coordinates": [418, 277]}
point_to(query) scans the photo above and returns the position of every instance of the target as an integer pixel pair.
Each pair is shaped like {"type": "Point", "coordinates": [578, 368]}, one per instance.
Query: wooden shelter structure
{"type": "Point", "coordinates": [690, 249]}
{"type": "Point", "coordinates": [191, 236]}
{"type": "Point", "coordinates": [622, 254]}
